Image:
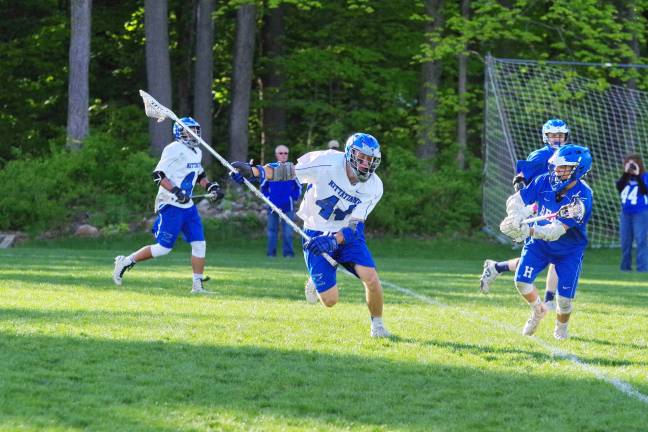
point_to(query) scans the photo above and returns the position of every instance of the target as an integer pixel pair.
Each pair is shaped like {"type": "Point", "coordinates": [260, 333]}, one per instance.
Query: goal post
{"type": "Point", "coordinates": [612, 120]}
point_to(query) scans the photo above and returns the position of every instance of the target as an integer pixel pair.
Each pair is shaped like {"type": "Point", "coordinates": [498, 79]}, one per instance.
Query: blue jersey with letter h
{"type": "Point", "coordinates": [549, 201]}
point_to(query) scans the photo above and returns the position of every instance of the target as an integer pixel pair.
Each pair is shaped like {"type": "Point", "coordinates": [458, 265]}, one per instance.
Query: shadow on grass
{"type": "Point", "coordinates": [115, 385]}
{"type": "Point", "coordinates": [490, 352]}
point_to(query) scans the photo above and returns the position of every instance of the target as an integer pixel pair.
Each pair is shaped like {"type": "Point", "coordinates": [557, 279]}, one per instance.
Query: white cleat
{"type": "Point", "coordinates": [122, 264]}
{"type": "Point", "coordinates": [488, 276]}
{"type": "Point", "coordinates": [536, 316]}
{"type": "Point", "coordinates": [560, 331]}
{"type": "Point", "coordinates": [310, 292]}
{"type": "Point", "coordinates": [198, 288]}
{"type": "Point", "coordinates": [379, 331]}
{"type": "Point", "coordinates": [550, 305]}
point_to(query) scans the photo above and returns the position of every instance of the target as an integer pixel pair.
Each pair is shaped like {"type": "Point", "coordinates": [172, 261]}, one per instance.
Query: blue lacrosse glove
{"type": "Point", "coordinates": [321, 244]}
{"type": "Point", "coordinates": [237, 177]}
{"type": "Point", "coordinates": [245, 171]}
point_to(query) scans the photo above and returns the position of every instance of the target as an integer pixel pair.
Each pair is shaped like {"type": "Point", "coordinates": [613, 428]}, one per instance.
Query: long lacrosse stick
{"type": "Point", "coordinates": [156, 110]}
{"type": "Point", "coordinates": [574, 210]}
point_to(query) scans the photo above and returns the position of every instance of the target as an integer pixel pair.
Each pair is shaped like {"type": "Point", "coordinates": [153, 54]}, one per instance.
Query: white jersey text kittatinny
{"type": "Point", "coordinates": [331, 200]}
{"type": "Point", "coordinates": [181, 165]}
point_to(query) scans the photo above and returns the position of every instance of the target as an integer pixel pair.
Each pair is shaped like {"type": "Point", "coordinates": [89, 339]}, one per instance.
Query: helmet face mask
{"type": "Point", "coordinates": [362, 154]}
{"type": "Point", "coordinates": [555, 133]}
{"type": "Point", "coordinates": [184, 137]}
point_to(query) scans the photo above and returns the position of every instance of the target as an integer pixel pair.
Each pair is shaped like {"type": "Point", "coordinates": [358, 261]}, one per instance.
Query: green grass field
{"type": "Point", "coordinates": [79, 353]}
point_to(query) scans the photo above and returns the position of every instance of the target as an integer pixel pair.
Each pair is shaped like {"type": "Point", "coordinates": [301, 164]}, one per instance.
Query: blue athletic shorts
{"type": "Point", "coordinates": [323, 274]}
{"type": "Point", "coordinates": [172, 220]}
{"type": "Point", "coordinates": [534, 259]}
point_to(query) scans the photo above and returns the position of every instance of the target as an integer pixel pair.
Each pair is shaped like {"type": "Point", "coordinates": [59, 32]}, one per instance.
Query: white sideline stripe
{"type": "Point", "coordinates": [620, 385]}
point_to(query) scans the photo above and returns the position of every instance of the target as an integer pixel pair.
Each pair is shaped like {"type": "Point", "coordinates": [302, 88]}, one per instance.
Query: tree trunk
{"type": "Point", "coordinates": [158, 68]}
{"type": "Point", "coordinates": [78, 86]}
{"type": "Point", "coordinates": [242, 81]}
{"type": "Point", "coordinates": [430, 79]}
{"type": "Point", "coordinates": [630, 15]}
{"type": "Point", "coordinates": [204, 72]}
{"type": "Point", "coordinates": [461, 92]}
{"type": "Point", "coordinates": [186, 27]}
{"type": "Point", "coordinates": [274, 114]}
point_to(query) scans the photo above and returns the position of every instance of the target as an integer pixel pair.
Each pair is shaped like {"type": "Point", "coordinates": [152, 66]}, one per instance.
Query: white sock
{"type": "Point", "coordinates": [377, 321]}
{"type": "Point", "coordinates": [131, 259]}
{"type": "Point", "coordinates": [198, 276]}
{"type": "Point", "coordinates": [561, 325]}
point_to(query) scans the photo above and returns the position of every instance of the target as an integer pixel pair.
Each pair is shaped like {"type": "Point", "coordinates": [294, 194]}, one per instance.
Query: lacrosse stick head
{"type": "Point", "coordinates": [574, 210]}
{"type": "Point", "coordinates": [154, 109]}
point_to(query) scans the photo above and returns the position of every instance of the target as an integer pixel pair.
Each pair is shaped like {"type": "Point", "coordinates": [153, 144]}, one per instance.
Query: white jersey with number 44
{"type": "Point", "coordinates": [181, 165]}
{"type": "Point", "coordinates": [331, 200]}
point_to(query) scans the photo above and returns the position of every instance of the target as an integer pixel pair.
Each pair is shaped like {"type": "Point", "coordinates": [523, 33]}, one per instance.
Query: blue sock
{"type": "Point", "coordinates": [549, 296]}
{"type": "Point", "coordinates": [502, 267]}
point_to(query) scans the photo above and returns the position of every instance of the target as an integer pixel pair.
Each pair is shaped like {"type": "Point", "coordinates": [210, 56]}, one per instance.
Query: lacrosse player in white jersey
{"type": "Point", "coordinates": [178, 170]}
{"type": "Point", "coordinates": [342, 190]}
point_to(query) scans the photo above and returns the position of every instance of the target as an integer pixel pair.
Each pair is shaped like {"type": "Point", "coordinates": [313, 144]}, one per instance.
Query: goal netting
{"type": "Point", "coordinates": [612, 120]}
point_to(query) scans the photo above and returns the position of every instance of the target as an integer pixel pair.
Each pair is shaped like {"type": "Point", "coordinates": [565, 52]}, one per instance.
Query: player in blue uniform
{"type": "Point", "coordinates": [560, 241]}
{"type": "Point", "coordinates": [555, 133]}
{"type": "Point", "coordinates": [178, 170]}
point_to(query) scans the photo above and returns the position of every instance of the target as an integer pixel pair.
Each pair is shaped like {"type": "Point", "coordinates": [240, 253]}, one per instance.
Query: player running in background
{"type": "Point", "coordinates": [555, 133]}
{"type": "Point", "coordinates": [178, 170]}
{"type": "Point", "coordinates": [342, 190]}
{"type": "Point", "coordinates": [560, 241]}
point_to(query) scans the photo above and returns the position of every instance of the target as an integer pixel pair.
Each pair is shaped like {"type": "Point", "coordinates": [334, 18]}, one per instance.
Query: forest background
{"type": "Point", "coordinates": [75, 143]}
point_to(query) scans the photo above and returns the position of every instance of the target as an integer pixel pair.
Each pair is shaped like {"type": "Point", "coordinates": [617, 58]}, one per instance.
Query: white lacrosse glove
{"type": "Point", "coordinates": [513, 227]}
{"type": "Point", "coordinates": [516, 207]}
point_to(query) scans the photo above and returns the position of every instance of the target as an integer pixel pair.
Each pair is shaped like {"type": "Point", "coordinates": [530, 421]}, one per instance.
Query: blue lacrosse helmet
{"type": "Point", "coordinates": [181, 135]}
{"type": "Point", "coordinates": [554, 126]}
{"type": "Point", "coordinates": [362, 144]}
{"type": "Point", "coordinates": [575, 156]}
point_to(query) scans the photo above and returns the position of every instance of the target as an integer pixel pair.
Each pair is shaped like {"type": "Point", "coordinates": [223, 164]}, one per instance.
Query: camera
{"type": "Point", "coordinates": [632, 167]}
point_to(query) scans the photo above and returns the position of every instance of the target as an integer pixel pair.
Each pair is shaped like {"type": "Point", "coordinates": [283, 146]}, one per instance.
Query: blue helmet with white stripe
{"type": "Point", "coordinates": [570, 162]}
{"type": "Point", "coordinates": [181, 135]}
{"type": "Point", "coordinates": [554, 126]}
{"type": "Point", "coordinates": [362, 153]}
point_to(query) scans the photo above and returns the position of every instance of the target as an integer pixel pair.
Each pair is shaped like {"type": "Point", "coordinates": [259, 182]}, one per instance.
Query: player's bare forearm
{"type": "Point", "coordinates": [167, 184]}
{"type": "Point", "coordinates": [204, 182]}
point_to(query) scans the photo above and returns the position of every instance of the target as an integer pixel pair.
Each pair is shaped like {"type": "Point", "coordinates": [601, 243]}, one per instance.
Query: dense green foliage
{"type": "Point", "coordinates": [347, 65]}
{"type": "Point", "coordinates": [106, 181]}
